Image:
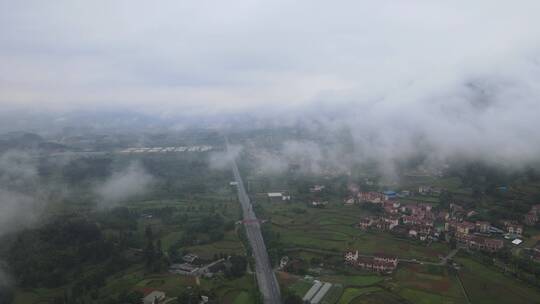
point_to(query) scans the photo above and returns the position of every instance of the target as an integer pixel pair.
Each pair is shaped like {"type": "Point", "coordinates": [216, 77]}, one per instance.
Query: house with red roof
{"type": "Point", "coordinates": [476, 242]}
{"type": "Point", "coordinates": [380, 262]}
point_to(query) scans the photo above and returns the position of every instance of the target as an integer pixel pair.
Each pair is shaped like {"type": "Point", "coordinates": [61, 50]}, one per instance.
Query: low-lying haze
{"type": "Point", "coordinates": [450, 78]}
{"type": "Point", "coordinates": [124, 184]}
{"type": "Point", "coordinates": [19, 194]}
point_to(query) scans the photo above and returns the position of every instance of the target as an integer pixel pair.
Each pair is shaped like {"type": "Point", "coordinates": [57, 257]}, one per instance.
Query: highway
{"type": "Point", "coordinates": [266, 278]}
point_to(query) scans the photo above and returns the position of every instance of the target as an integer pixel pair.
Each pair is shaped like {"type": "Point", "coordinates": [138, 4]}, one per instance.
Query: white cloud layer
{"type": "Point", "coordinates": [21, 201]}
{"type": "Point", "coordinates": [235, 55]}
{"type": "Point", "coordinates": [459, 76]}
{"type": "Point", "coordinates": [125, 184]}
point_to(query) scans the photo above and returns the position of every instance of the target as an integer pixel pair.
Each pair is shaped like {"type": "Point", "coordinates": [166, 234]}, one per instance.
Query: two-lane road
{"type": "Point", "coordinates": [266, 278]}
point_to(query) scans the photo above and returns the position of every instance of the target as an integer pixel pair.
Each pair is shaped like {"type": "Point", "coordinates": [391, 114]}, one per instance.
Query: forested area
{"type": "Point", "coordinates": [86, 237]}
{"type": "Point", "coordinates": [80, 252]}
{"type": "Point", "coordinates": [69, 251]}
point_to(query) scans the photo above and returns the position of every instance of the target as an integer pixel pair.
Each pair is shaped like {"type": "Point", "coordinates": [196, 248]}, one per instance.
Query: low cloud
{"type": "Point", "coordinates": [222, 160]}
{"type": "Point", "coordinates": [21, 205]}
{"type": "Point", "coordinates": [20, 195]}
{"type": "Point", "coordinates": [271, 162]}
{"type": "Point", "coordinates": [308, 156]}
{"type": "Point", "coordinates": [17, 169]}
{"type": "Point", "coordinates": [448, 79]}
{"type": "Point", "coordinates": [131, 182]}
{"type": "Point", "coordinates": [18, 211]}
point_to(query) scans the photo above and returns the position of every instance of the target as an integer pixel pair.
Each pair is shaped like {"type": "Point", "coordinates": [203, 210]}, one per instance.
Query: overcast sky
{"type": "Point", "coordinates": [459, 76]}
{"type": "Point", "coordinates": [237, 55]}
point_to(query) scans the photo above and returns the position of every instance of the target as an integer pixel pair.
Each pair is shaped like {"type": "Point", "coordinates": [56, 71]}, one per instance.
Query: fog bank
{"type": "Point", "coordinates": [130, 182]}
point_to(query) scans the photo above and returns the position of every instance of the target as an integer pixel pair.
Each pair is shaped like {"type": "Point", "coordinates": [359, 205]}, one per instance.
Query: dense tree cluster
{"type": "Point", "coordinates": [273, 243]}
{"type": "Point", "coordinates": [86, 169]}
{"type": "Point", "coordinates": [68, 250]}
{"type": "Point", "coordinates": [197, 231]}
{"type": "Point", "coordinates": [236, 266]}
{"type": "Point", "coordinates": [293, 299]}
{"type": "Point", "coordinates": [46, 256]}
{"type": "Point", "coordinates": [155, 260]}
{"type": "Point", "coordinates": [172, 170]}
{"type": "Point", "coordinates": [119, 218]}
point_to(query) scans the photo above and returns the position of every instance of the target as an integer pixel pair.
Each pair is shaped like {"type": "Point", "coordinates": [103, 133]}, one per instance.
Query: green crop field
{"type": "Point", "coordinates": [377, 297]}
{"type": "Point", "coordinates": [243, 298]}
{"type": "Point", "coordinates": [349, 294]}
{"type": "Point", "coordinates": [354, 280]}
{"type": "Point", "coordinates": [431, 279]}
{"type": "Point", "coordinates": [486, 285]}
{"type": "Point", "coordinates": [424, 297]}
{"type": "Point", "coordinates": [300, 287]}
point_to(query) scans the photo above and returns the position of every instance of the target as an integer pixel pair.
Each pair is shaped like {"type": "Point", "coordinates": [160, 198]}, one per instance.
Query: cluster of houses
{"type": "Point", "coordinates": [414, 220]}
{"type": "Point", "coordinates": [476, 242]}
{"type": "Point", "coordinates": [380, 263]}
{"type": "Point", "coordinates": [420, 221]}
{"type": "Point", "coordinates": [429, 190]}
